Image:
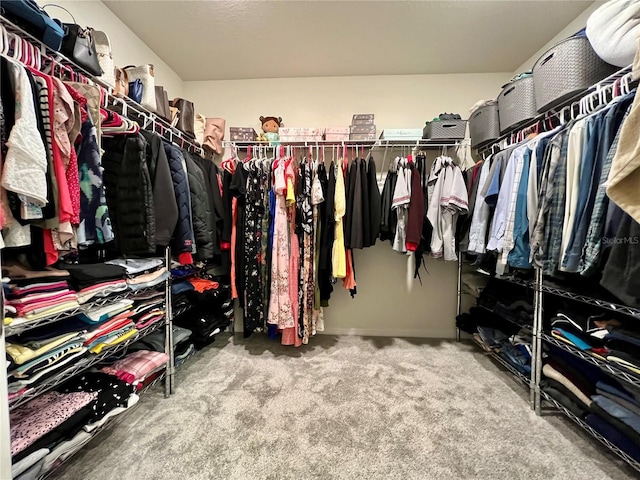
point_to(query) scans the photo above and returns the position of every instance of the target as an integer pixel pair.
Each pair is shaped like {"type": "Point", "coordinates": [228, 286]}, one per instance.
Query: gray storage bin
{"type": "Point", "coordinates": [566, 69]}
{"type": "Point", "coordinates": [445, 130]}
{"type": "Point", "coordinates": [516, 103]}
{"type": "Point", "coordinates": [484, 125]}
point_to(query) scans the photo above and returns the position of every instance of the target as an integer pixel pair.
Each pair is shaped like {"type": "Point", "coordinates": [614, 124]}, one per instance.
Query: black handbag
{"type": "Point", "coordinates": [78, 45]}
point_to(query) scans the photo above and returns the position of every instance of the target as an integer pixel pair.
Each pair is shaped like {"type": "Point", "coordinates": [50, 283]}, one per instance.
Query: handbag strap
{"type": "Point", "coordinates": [62, 8]}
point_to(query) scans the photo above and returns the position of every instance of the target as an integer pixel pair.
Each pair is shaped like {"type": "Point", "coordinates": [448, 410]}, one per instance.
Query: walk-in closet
{"type": "Point", "coordinates": [320, 240]}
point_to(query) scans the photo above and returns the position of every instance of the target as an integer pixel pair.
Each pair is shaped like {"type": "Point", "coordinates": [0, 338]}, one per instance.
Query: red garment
{"type": "Point", "coordinates": [474, 176]}
{"type": "Point", "coordinates": [185, 258]}
{"type": "Point", "coordinates": [116, 323]}
{"type": "Point", "coordinates": [349, 281]}
{"type": "Point", "coordinates": [73, 181]}
{"type": "Point", "coordinates": [603, 352]}
{"type": "Point", "coordinates": [415, 217]}
{"type": "Point", "coordinates": [201, 285]}
{"type": "Point", "coordinates": [50, 252]}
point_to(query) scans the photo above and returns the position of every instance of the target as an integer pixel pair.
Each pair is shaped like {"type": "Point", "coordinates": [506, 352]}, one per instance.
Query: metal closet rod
{"type": "Point", "coordinates": [349, 143]}
{"type": "Point", "coordinates": [54, 58]}
{"type": "Point", "coordinates": [557, 111]}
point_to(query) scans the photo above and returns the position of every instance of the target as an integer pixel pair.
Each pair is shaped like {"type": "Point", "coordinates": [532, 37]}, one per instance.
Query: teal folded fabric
{"type": "Point", "coordinates": [579, 343]}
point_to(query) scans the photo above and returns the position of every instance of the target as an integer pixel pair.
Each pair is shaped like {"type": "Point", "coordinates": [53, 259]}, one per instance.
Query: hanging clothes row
{"type": "Point", "coordinates": [421, 206]}
{"type": "Point", "coordinates": [290, 229]}
{"type": "Point", "coordinates": [545, 201]}
{"type": "Point", "coordinates": [92, 178]}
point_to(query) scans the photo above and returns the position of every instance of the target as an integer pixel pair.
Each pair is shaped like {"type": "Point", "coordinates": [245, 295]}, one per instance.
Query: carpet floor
{"type": "Point", "coordinates": [342, 408]}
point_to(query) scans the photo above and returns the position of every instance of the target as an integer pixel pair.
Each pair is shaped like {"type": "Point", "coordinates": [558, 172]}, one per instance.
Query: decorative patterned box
{"type": "Point", "coordinates": [337, 130]}
{"type": "Point", "coordinates": [337, 137]}
{"type": "Point", "coordinates": [363, 119]}
{"type": "Point", "coordinates": [337, 134]}
{"type": "Point", "coordinates": [242, 134]}
{"type": "Point", "coordinates": [300, 138]}
{"type": "Point", "coordinates": [300, 131]}
{"type": "Point", "coordinates": [363, 129]}
{"type": "Point", "coordinates": [401, 134]}
{"type": "Point", "coordinates": [362, 137]}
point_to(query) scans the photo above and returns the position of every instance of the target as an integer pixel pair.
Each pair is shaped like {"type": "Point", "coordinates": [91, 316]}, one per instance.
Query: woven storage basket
{"type": "Point", "coordinates": [566, 69]}
{"type": "Point", "coordinates": [484, 125]}
{"type": "Point", "coordinates": [516, 103]}
{"type": "Point", "coordinates": [445, 130]}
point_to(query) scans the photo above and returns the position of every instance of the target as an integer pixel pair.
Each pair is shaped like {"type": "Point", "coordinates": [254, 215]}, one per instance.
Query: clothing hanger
{"type": "Point", "coordinates": [4, 40]}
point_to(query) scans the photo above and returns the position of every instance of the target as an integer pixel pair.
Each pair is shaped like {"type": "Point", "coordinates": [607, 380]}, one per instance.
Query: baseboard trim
{"type": "Point", "coordinates": [386, 332]}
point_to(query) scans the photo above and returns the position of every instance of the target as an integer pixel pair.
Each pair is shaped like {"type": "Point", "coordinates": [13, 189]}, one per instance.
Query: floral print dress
{"type": "Point", "coordinates": [280, 308]}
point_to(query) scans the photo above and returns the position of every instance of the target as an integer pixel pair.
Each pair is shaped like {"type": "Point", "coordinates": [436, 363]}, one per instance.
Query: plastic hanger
{"type": "Point", "coordinates": [4, 41]}
{"type": "Point", "coordinates": [17, 47]}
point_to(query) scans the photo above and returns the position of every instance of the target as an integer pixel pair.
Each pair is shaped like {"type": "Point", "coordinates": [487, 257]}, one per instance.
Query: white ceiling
{"type": "Point", "coordinates": [237, 39]}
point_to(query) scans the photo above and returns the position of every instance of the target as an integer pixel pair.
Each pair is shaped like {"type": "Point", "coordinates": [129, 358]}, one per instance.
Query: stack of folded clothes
{"type": "Point", "coordinates": [50, 428]}
{"type": "Point", "coordinates": [623, 348]}
{"type": "Point", "coordinates": [102, 289]}
{"type": "Point", "coordinates": [615, 414]}
{"type": "Point", "coordinates": [602, 336]}
{"type": "Point", "coordinates": [611, 409]}
{"type": "Point", "coordinates": [515, 350]}
{"type": "Point", "coordinates": [148, 310]}
{"type": "Point", "coordinates": [111, 327]}
{"type": "Point", "coordinates": [204, 307]}
{"type": "Point", "coordinates": [35, 300]}
{"type": "Point", "coordinates": [497, 324]}
{"type": "Point", "coordinates": [138, 366]}
{"type": "Point", "coordinates": [93, 275]}
{"type": "Point", "coordinates": [586, 333]}
{"type": "Point", "coordinates": [42, 352]}
{"type": "Point", "coordinates": [114, 395]}
{"type": "Point", "coordinates": [183, 347]}
{"type": "Point", "coordinates": [34, 358]}
{"type": "Point", "coordinates": [570, 381]}
{"type": "Point", "coordinates": [45, 421]}
{"type": "Point", "coordinates": [142, 272]}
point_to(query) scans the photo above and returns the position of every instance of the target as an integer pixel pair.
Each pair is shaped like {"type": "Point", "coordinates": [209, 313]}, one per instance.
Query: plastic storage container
{"type": "Point", "coordinates": [566, 69]}
{"type": "Point", "coordinates": [445, 130]}
{"type": "Point", "coordinates": [516, 103]}
{"type": "Point", "coordinates": [484, 125]}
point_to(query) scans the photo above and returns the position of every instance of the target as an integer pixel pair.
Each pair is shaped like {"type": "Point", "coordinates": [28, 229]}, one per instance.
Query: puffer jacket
{"type": "Point", "coordinates": [210, 172]}
{"type": "Point", "coordinates": [183, 239]}
{"type": "Point", "coordinates": [200, 210]}
{"type": "Point", "coordinates": [165, 205]}
{"type": "Point", "coordinates": [129, 194]}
